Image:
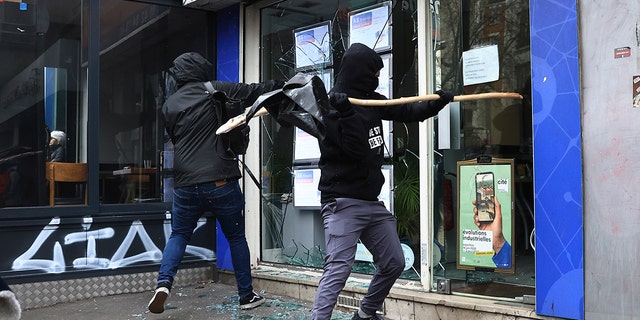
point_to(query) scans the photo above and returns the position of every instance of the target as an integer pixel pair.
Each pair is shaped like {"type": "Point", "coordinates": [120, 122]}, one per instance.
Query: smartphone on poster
{"type": "Point", "coordinates": [485, 191]}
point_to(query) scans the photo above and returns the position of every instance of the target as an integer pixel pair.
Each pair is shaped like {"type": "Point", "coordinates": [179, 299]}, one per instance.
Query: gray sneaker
{"type": "Point", "coordinates": [251, 301]}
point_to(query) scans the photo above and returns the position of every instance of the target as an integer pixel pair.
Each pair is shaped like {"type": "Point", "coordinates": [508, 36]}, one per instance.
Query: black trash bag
{"type": "Point", "coordinates": [302, 102]}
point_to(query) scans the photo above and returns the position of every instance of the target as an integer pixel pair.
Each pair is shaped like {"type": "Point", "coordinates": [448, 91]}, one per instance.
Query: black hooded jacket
{"type": "Point", "coordinates": [352, 150]}
{"type": "Point", "coordinates": [191, 121]}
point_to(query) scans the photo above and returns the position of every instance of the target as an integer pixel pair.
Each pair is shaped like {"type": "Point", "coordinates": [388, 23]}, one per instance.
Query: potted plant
{"type": "Point", "coordinates": [407, 197]}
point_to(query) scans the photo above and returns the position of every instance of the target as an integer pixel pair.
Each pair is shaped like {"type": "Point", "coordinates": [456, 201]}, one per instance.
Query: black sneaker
{"type": "Point", "coordinates": [156, 305]}
{"type": "Point", "coordinates": [356, 316]}
{"type": "Point", "coordinates": [251, 301]}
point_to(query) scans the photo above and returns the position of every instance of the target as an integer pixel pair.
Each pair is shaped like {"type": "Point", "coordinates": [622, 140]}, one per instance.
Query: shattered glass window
{"type": "Point", "coordinates": [310, 37]}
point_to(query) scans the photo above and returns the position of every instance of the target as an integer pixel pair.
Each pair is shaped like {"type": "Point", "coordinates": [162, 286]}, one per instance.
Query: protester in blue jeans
{"type": "Point", "coordinates": [205, 173]}
{"type": "Point", "coordinates": [351, 157]}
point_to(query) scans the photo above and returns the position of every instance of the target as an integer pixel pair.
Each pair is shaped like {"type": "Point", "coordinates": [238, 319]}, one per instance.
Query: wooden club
{"type": "Point", "coordinates": [240, 119]}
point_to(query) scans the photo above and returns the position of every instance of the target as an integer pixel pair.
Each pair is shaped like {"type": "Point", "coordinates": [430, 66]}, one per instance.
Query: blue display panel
{"type": "Point", "coordinates": [227, 67]}
{"type": "Point", "coordinates": [557, 159]}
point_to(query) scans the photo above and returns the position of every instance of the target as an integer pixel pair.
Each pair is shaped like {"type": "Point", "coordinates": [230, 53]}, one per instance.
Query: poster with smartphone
{"type": "Point", "coordinates": [485, 215]}
{"type": "Point", "coordinates": [485, 191]}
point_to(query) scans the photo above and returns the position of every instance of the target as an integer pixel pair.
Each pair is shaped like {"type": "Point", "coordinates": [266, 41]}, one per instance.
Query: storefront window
{"type": "Point", "coordinates": [466, 34]}
{"type": "Point", "coordinates": [494, 35]}
{"type": "Point", "coordinates": [312, 39]}
{"type": "Point", "coordinates": [138, 44]}
{"type": "Point", "coordinates": [40, 98]}
{"type": "Point", "coordinates": [43, 100]}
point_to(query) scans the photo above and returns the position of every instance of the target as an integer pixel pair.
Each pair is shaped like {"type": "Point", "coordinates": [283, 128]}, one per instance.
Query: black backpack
{"type": "Point", "coordinates": [236, 141]}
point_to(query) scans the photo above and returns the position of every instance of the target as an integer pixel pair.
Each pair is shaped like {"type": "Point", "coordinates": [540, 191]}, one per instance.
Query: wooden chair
{"type": "Point", "coordinates": [69, 173]}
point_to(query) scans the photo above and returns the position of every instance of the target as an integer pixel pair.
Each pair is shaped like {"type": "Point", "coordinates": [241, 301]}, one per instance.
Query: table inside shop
{"type": "Point", "coordinates": [139, 184]}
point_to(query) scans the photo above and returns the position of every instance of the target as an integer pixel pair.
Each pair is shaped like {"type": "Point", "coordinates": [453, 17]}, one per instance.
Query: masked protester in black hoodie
{"type": "Point", "coordinates": [352, 153]}
{"type": "Point", "coordinates": [206, 175]}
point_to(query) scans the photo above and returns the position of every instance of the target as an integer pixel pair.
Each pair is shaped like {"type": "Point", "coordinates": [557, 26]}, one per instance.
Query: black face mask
{"type": "Point", "coordinates": [357, 76]}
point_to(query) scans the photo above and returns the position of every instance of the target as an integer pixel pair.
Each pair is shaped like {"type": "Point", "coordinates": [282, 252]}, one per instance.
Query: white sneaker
{"type": "Point", "coordinates": [156, 305]}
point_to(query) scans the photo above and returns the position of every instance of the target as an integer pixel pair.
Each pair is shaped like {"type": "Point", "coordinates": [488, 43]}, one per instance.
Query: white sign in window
{"type": "Point", "coordinates": [480, 65]}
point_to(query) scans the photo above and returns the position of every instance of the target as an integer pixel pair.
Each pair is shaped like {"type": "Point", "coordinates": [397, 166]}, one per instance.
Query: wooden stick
{"type": "Point", "coordinates": [238, 120]}
{"type": "Point", "coordinates": [467, 97]}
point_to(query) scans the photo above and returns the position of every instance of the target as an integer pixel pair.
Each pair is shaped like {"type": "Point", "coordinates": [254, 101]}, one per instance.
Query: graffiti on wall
{"type": "Point", "coordinates": [37, 257]}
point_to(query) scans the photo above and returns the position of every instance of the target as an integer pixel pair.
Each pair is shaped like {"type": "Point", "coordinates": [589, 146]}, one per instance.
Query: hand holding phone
{"type": "Point", "coordinates": [485, 192]}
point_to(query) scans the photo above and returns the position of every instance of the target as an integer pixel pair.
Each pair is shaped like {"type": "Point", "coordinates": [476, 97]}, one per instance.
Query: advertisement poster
{"type": "Point", "coordinates": [370, 27]}
{"type": "Point", "coordinates": [326, 75]}
{"type": "Point", "coordinates": [306, 193]}
{"type": "Point", "coordinates": [313, 45]}
{"type": "Point", "coordinates": [385, 78]}
{"type": "Point", "coordinates": [485, 215]}
{"type": "Point", "coordinates": [306, 148]}
{"type": "Point", "coordinates": [305, 187]}
{"type": "Point", "coordinates": [385, 193]}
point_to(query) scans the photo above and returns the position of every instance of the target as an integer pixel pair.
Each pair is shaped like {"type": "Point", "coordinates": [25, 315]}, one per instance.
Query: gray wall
{"type": "Point", "coordinates": [611, 151]}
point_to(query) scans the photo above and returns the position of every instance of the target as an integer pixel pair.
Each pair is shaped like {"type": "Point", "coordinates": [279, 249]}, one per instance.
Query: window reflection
{"type": "Point", "coordinates": [40, 92]}
{"type": "Point", "coordinates": [138, 43]}
{"type": "Point", "coordinates": [499, 128]}
{"type": "Point", "coordinates": [43, 111]}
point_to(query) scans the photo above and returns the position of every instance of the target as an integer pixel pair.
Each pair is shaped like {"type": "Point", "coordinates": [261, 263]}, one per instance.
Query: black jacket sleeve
{"type": "Point", "coordinates": [248, 93]}
{"type": "Point", "coordinates": [417, 111]}
{"type": "Point", "coordinates": [409, 112]}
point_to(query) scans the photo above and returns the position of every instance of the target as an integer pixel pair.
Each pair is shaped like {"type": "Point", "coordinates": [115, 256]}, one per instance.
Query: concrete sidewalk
{"type": "Point", "coordinates": [201, 301]}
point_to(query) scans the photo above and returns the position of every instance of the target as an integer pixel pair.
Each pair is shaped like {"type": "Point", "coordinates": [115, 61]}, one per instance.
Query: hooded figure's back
{"type": "Point", "coordinates": [191, 122]}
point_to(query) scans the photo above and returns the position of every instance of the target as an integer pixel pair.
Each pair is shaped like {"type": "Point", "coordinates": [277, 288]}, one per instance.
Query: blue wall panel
{"type": "Point", "coordinates": [557, 159]}
{"type": "Point", "coordinates": [228, 44]}
{"type": "Point", "coordinates": [227, 66]}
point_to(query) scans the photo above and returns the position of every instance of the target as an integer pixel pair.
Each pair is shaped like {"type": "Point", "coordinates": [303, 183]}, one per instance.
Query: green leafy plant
{"type": "Point", "coordinates": [407, 196]}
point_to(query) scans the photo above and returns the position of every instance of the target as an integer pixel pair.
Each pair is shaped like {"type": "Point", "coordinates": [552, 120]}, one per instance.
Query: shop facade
{"type": "Point", "coordinates": [432, 166]}
{"type": "Point", "coordinates": [532, 152]}
{"type": "Point", "coordinates": [94, 75]}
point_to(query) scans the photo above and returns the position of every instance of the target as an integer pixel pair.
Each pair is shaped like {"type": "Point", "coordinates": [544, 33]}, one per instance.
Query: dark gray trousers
{"type": "Point", "coordinates": [345, 221]}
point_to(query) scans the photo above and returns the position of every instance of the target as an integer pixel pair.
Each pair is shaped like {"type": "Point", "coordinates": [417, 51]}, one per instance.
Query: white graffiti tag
{"type": "Point", "coordinates": [24, 262]}
{"type": "Point", "coordinates": [119, 259]}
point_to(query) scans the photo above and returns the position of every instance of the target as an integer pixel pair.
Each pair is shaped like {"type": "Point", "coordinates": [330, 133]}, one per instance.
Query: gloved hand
{"type": "Point", "coordinates": [340, 101]}
{"type": "Point", "coordinates": [445, 98]}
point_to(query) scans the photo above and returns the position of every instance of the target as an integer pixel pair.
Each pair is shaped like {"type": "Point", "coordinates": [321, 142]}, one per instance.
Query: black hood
{"type": "Point", "coordinates": [191, 67]}
{"type": "Point", "coordinates": [357, 75]}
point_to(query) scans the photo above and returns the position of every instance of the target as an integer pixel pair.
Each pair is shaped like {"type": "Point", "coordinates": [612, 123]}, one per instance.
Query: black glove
{"type": "Point", "coordinates": [340, 101]}
{"type": "Point", "coordinates": [445, 98]}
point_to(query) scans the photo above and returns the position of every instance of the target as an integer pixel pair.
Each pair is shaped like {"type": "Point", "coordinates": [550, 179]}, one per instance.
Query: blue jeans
{"type": "Point", "coordinates": [189, 204]}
